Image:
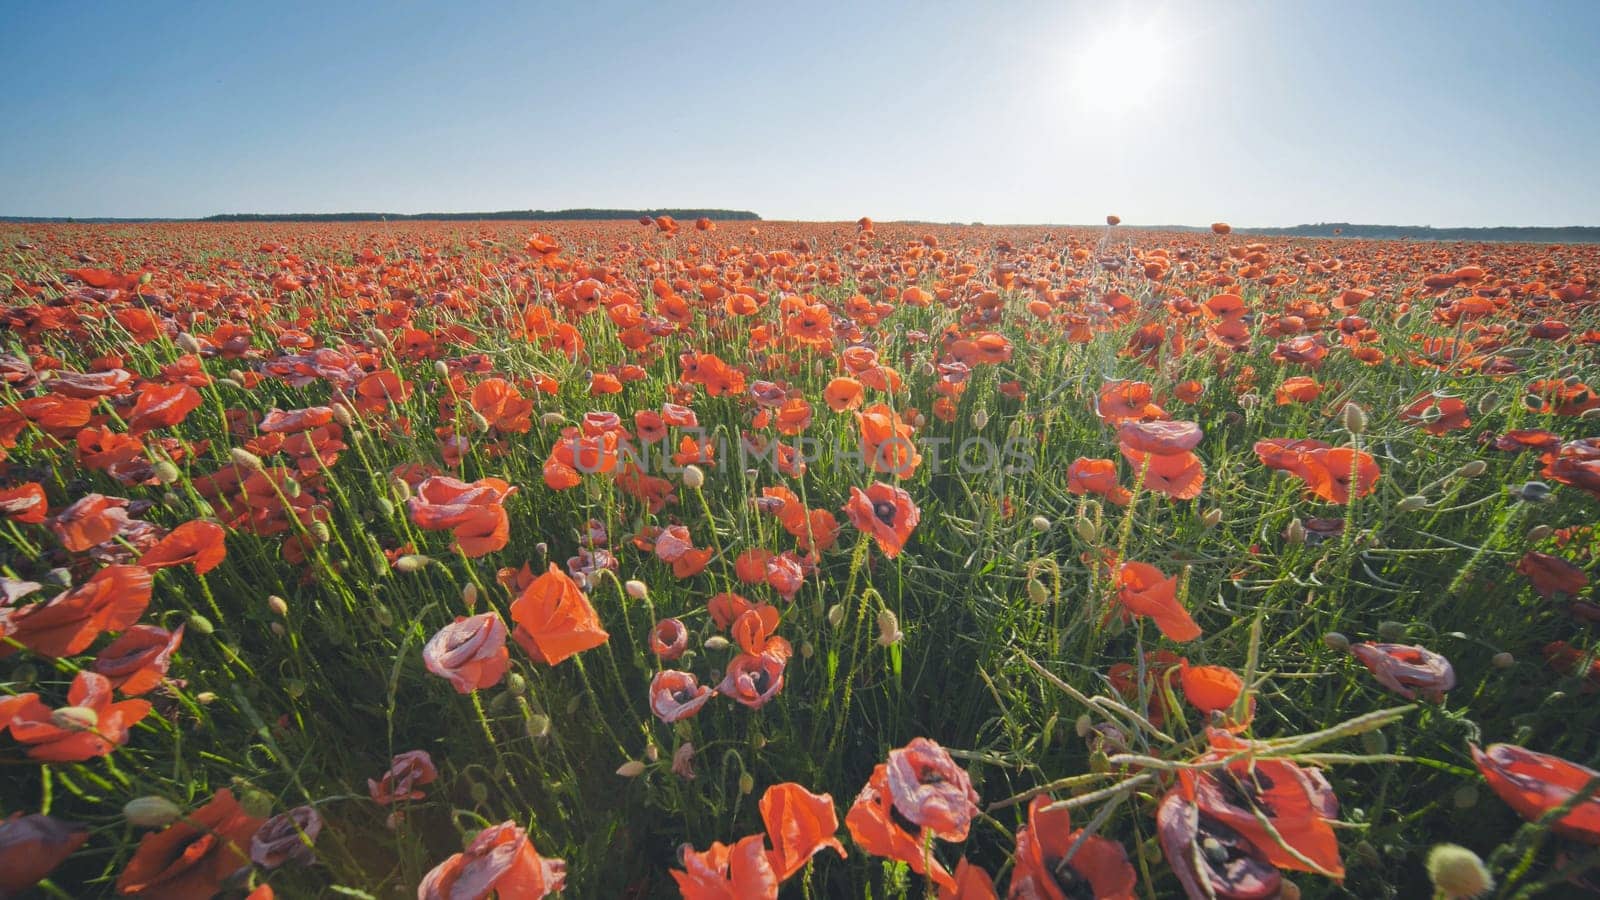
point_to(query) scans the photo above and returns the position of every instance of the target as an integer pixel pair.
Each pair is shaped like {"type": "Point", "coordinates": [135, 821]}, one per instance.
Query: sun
{"type": "Point", "coordinates": [1122, 66]}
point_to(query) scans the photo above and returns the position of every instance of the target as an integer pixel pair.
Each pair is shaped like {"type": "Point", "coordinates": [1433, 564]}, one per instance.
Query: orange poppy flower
{"type": "Point", "coordinates": [675, 695]}
{"type": "Point", "coordinates": [886, 512]}
{"type": "Point", "coordinates": [162, 406]}
{"type": "Point", "coordinates": [554, 619]}
{"type": "Point", "coordinates": [472, 512]}
{"type": "Point", "coordinates": [1552, 575]}
{"type": "Point", "coordinates": [1098, 866]}
{"type": "Point", "coordinates": [36, 725]}
{"type": "Point", "coordinates": [1533, 784]}
{"type": "Point", "coordinates": [887, 444]}
{"type": "Point", "coordinates": [198, 542]}
{"type": "Point", "coordinates": [1142, 590]}
{"type": "Point", "coordinates": [1299, 389]}
{"type": "Point", "coordinates": [1210, 688]}
{"type": "Point", "coordinates": [470, 653]}
{"type": "Point", "coordinates": [800, 825]}
{"type": "Point", "coordinates": [1097, 476]}
{"type": "Point", "coordinates": [189, 859]}
{"type": "Point", "coordinates": [971, 883]}
{"type": "Point", "coordinates": [879, 830]}
{"type": "Point", "coordinates": [739, 872]}
{"type": "Point", "coordinates": [501, 862]}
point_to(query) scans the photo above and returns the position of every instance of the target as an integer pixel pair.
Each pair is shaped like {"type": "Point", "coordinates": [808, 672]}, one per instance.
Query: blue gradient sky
{"type": "Point", "coordinates": [1258, 113]}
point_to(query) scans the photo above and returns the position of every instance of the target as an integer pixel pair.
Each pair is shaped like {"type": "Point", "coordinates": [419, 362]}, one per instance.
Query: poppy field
{"type": "Point", "coordinates": [747, 560]}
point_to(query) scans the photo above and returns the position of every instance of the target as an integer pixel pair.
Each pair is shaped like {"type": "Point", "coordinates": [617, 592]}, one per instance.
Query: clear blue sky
{"type": "Point", "coordinates": [1257, 113]}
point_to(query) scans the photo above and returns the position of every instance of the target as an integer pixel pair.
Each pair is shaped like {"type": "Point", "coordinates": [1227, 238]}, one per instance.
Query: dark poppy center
{"type": "Point", "coordinates": [1071, 881]}
{"type": "Point", "coordinates": [883, 511]}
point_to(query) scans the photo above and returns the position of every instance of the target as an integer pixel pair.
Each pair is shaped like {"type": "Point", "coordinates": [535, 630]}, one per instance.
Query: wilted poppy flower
{"type": "Point", "coordinates": [1099, 867]}
{"type": "Point", "coordinates": [740, 872]}
{"type": "Point", "coordinates": [111, 600]}
{"type": "Point", "coordinates": [189, 859]}
{"type": "Point", "coordinates": [1210, 859]}
{"type": "Point", "coordinates": [676, 695]}
{"type": "Point", "coordinates": [499, 862]}
{"type": "Point", "coordinates": [287, 837]}
{"type": "Point", "coordinates": [668, 639]}
{"type": "Point", "coordinates": [754, 679]}
{"type": "Point", "coordinates": [1143, 590]}
{"type": "Point", "coordinates": [470, 653]}
{"type": "Point", "coordinates": [800, 825]}
{"type": "Point", "coordinates": [198, 542]}
{"type": "Point", "coordinates": [879, 829]}
{"type": "Point", "coordinates": [1536, 783]}
{"type": "Point", "coordinates": [31, 847]}
{"type": "Point", "coordinates": [1406, 670]}
{"type": "Point", "coordinates": [886, 512]}
{"type": "Point", "coordinates": [407, 772]}
{"type": "Point", "coordinates": [137, 661]}
{"type": "Point", "coordinates": [930, 790]}
{"type": "Point", "coordinates": [554, 619]}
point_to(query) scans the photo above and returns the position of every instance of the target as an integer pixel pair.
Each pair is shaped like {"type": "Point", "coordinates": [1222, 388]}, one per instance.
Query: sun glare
{"type": "Point", "coordinates": [1122, 66]}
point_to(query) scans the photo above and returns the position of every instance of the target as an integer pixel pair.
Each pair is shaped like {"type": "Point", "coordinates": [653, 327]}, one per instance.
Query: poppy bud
{"type": "Point", "coordinates": [542, 549]}
{"type": "Point", "coordinates": [441, 369]}
{"type": "Point", "coordinates": [1040, 524]}
{"type": "Point", "coordinates": [291, 488]}
{"type": "Point", "coordinates": [1037, 592]}
{"type": "Point", "coordinates": [1086, 530]}
{"type": "Point", "coordinates": [537, 726]}
{"type": "Point", "coordinates": [1591, 413]}
{"type": "Point", "coordinates": [1532, 492]}
{"type": "Point", "coordinates": [1465, 797]}
{"type": "Point", "coordinates": [1296, 532]}
{"type": "Point", "coordinates": [411, 562]}
{"type": "Point", "coordinates": [836, 615]}
{"type": "Point", "coordinates": [321, 532]}
{"type": "Point", "coordinates": [1336, 642]}
{"type": "Point", "coordinates": [1411, 503]}
{"type": "Point", "coordinates": [552, 418]}
{"type": "Point", "coordinates": [205, 698]}
{"type": "Point", "coordinates": [631, 769]}
{"type": "Point", "coordinates": [807, 650]}
{"type": "Point", "coordinates": [1374, 742]}
{"type": "Point", "coordinates": [1503, 660]}
{"type": "Point", "coordinates": [255, 803]}
{"type": "Point", "coordinates": [187, 343]}
{"type": "Point", "coordinates": [171, 501]}
{"type": "Point", "coordinates": [479, 422]}
{"type": "Point", "coordinates": [294, 687]}
{"type": "Point", "coordinates": [1083, 726]}
{"type": "Point", "coordinates": [716, 642]}
{"type": "Point", "coordinates": [1538, 533]}
{"type": "Point", "coordinates": [1472, 469]}
{"type": "Point", "coordinates": [469, 596]}
{"type": "Point", "coordinates": [1457, 873]}
{"type": "Point", "coordinates": [1487, 403]}
{"type": "Point", "coordinates": [230, 382]}
{"type": "Point", "coordinates": [888, 628]}
{"type": "Point", "coordinates": [980, 418]}
{"type": "Point", "coordinates": [1212, 517]}
{"type": "Point", "coordinates": [1354, 418]}
{"type": "Point", "coordinates": [480, 793]}
{"type": "Point", "coordinates": [343, 415]}
{"type": "Point", "coordinates": [277, 629]}
{"type": "Point", "coordinates": [1099, 762]}
{"type": "Point", "coordinates": [25, 674]}
{"type": "Point", "coordinates": [385, 508]}
{"type": "Point", "coordinates": [694, 477]}
{"type": "Point", "coordinates": [201, 624]}
{"type": "Point", "coordinates": [400, 488]}
{"type": "Point", "coordinates": [1391, 631]}
{"type": "Point", "coordinates": [747, 783]}
{"type": "Point", "coordinates": [1249, 401]}
{"type": "Point", "coordinates": [382, 614]}
{"type": "Point", "coordinates": [75, 718]}
{"type": "Point", "coordinates": [636, 589]}
{"type": "Point", "coordinates": [150, 812]}
{"type": "Point", "coordinates": [1431, 414]}
{"type": "Point", "coordinates": [516, 685]}
{"type": "Point", "coordinates": [167, 473]}
{"type": "Point", "coordinates": [245, 459]}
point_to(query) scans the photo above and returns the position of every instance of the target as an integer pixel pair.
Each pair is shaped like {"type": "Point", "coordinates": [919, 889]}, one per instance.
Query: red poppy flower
{"type": "Point", "coordinates": [880, 830]}
{"type": "Point", "coordinates": [800, 825]}
{"type": "Point", "coordinates": [669, 639]}
{"type": "Point", "coordinates": [501, 862]}
{"type": "Point", "coordinates": [1210, 688]}
{"type": "Point", "coordinates": [1097, 476]}
{"type": "Point", "coordinates": [407, 772]}
{"type": "Point", "coordinates": [92, 519]}
{"type": "Point", "coordinates": [113, 599]}
{"type": "Point", "coordinates": [887, 444]}
{"type": "Point", "coordinates": [930, 790]}
{"type": "Point", "coordinates": [1144, 591]}
{"type": "Point", "coordinates": [1408, 671]}
{"type": "Point", "coordinates": [31, 847]}
{"type": "Point", "coordinates": [1536, 783]}
{"type": "Point", "coordinates": [554, 619]}
{"type": "Point", "coordinates": [469, 653]}
{"type": "Point", "coordinates": [1159, 438]}
{"type": "Point", "coordinates": [50, 740]}
{"type": "Point", "coordinates": [886, 512]}
{"type": "Point", "coordinates": [676, 695]}
{"type": "Point", "coordinates": [162, 406]}
{"type": "Point", "coordinates": [1552, 575]}
{"type": "Point", "coordinates": [1210, 859]}
{"type": "Point", "coordinates": [1098, 868]}
{"type": "Point", "coordinates": [739, 872]}
{"type": "Point", "coordinates": [753, 679]}
{"type": "Point", "coordinates": [198, 542]}
{"type": "Point", "coordinates": [472, 512]}
{"type": "Point", "coordinates": [137, 661]}
{"type": "Point", "coordinates": [189, 859]}
{"type": "Point", "coordinates": [25, 503]}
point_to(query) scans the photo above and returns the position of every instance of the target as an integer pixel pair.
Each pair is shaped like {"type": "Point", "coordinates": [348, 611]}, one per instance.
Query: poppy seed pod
{"type": "Point", "coordinates": [1353, 418]}
{"type": "Point", "coordinates": [150, 812]}
{"type": "Point", "coordinates": [694, 478]}
{"type": "Point", "coordinates": [1457, 873]}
